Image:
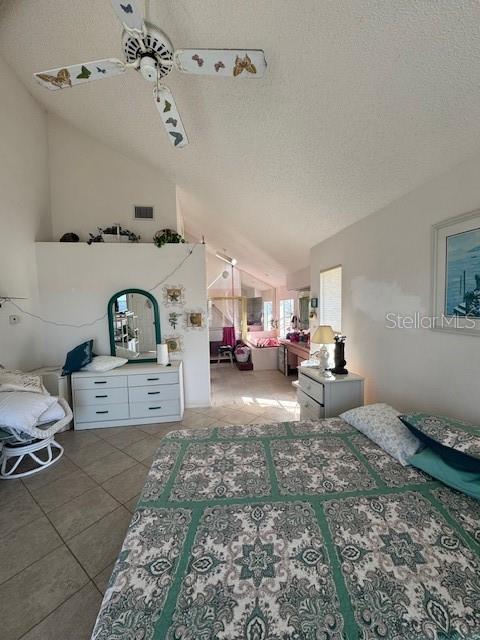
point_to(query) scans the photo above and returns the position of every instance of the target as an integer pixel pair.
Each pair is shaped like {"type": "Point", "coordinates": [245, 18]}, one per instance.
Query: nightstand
{"type": "Point", "coordinates": [321, 397]}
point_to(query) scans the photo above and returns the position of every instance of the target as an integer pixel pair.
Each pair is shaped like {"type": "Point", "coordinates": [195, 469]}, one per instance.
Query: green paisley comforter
{"type": "Point", "coordinates": [293, 531]}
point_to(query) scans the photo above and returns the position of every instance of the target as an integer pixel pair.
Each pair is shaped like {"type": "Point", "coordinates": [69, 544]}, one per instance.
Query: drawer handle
{"type": "Point", "coordinates": [100, 382]}
{"type": "Point", "coordinates": [153, 408]}
{"type": "Point", "coordinates": [153, 393]}
{"type": "Point", "coordinates": [103, 396]}
{"type": "Point", "coordinates": [152, 379]}
{"type": "Point", "coordinates": [101, 411]}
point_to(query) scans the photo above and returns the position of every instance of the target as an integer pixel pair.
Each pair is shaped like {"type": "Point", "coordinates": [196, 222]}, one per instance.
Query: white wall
{"type": "Point", "coordinates": [94, 186]}
{"type": "Point", "coordinates": [386, 262]}
{"type": "Point", "coordinates": [24, 214]}
{"type": "Point", "coordinates": [77, 281]}
{"type": "Point", "coordinates": [298, 279]}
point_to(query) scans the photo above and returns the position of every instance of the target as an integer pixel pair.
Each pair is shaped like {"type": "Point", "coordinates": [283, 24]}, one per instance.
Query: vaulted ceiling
{"type": "Point", "coordinates": [362, 102]}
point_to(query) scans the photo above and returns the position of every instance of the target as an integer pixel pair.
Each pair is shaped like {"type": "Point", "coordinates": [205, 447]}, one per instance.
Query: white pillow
{"type": "Point", "coordinates": [19, 381]}
{"type": "Point", "coordinates": [380, 423]}
{"type": "Point", "coordinates": [21, 409]}
{"type": "Point", "coordinates": [52, 414]}
{"type": "Point", "coordinates": [104, 363]}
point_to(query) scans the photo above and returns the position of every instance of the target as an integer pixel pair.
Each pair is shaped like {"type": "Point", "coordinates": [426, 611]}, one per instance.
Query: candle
{"type": "Point", "coordinates": [162, 354]}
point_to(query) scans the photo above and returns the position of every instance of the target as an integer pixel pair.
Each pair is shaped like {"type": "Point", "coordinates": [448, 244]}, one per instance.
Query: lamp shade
{"type": "Point", "coordinates": [323, 334]}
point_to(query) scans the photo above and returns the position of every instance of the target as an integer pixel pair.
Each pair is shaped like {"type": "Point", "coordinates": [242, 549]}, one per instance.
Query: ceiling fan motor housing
{"type": "Point", "coordinates": [148, 67]}
{"type": "Point", "coordinates": [157, 56]}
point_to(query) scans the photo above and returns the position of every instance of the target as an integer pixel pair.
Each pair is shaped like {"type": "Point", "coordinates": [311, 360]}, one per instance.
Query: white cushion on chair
{"type": "Point", "coordinates": [52, 414]}
{"type": "Point", "coordinates": [19, 381]}
{"type": "Point", "coordinates": [21, 410]}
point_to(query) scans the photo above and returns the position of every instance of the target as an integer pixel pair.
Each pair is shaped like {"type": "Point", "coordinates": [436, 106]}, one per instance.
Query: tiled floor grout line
{"type": "Point", "coordinates": [60, 544]}
{"type": "Point", "coordinates": [60, 605]}
{"type": "Point", "coordinates": [83, 531]}
{"type": "Point", "coordinates": [64, 543]}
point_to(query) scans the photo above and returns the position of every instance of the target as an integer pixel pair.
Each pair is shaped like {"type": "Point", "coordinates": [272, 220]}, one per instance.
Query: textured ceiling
{"type": "Point", "coordinates": [362, 101]}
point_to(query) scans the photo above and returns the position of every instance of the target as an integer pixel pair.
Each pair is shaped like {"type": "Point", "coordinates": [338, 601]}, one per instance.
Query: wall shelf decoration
{"type": "Point", "coordinates": [194, 319]}
{"type": "Point", "coordinates": [173, 295]}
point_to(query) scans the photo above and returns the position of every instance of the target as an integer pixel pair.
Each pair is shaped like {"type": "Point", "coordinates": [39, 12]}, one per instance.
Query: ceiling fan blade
{"type": "Point", "coordinates": [74, 74]}
{"type": "Point", "coordinates": [237, 63]}
{"type": "Point", "coordinates": [170, 117]}
{"type": "Point", "coordinates": [129, 14]}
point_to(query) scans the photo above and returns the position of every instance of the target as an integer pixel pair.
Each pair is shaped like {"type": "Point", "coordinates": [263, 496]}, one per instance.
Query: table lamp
{"type": "Point", "coordinates": [323, 335]}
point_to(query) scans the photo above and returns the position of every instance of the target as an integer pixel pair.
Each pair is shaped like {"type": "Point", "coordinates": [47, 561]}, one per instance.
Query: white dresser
{"type": "Point", "coordinates": [321, 397]}
{"type": "Point", "coordinates": [132, 394]}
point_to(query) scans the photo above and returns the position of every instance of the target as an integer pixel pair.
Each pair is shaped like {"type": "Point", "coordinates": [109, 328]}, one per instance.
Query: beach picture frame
{"type": "Point", "coordinates": [174, 344]}
{"type": "Point", "coordinates": [194, 319]}
{"type": "Point", "coordinates": [173, 295]}
{"type": "Point", "coordinates": [456, 274]}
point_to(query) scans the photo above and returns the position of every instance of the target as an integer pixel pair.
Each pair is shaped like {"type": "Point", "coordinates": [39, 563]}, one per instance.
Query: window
{"type": "Point", "coordinates": [122, 303]}
{"type": "Point", "coordinates": [330, 299]}
{"type": "Point", "coordinates": [286, 313]}
{"type": "Point", "coordinates": [267, 316]}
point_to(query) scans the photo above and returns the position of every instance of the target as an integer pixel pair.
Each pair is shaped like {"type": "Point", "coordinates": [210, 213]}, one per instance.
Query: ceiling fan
{"type": "Point", "coordinates": [149, 51]}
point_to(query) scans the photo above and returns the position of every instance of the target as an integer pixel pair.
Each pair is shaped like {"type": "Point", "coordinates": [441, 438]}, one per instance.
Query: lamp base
{"type": "Point", "coordinates": [340, 362]}
{"type": "Point", "coordinates": [323, 361]}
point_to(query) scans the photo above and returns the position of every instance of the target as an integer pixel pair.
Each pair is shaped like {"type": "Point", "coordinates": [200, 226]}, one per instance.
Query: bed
{"type": "Point", "coordinates": [293, 531]}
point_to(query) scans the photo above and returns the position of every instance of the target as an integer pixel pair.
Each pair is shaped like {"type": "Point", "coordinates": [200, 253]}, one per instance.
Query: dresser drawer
{"type": "Point", "coordinates": [100, 396]}
{"type": "Point", "coordinates": [152, 379]}
{"type": "Point", "coordinates": [100, 412]}
{"type": "Point", "coordinates": [311, 387]}
{"type": "Point", "coordinates": [154, 408]}
{"type": "Point", "coordinates": [154, 393]}
{"type": "Point", "coordinates": [309, 408]}
{"type": "Point", "coordinates": [99, 382]}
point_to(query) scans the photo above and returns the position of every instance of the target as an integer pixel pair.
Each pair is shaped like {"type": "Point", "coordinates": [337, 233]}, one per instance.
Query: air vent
{"type": "Point", "coordinates": [143, 213]}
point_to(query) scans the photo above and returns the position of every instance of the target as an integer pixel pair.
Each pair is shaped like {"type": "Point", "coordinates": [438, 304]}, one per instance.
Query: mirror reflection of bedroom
{"type": "Point", "coordinates": [134, 326]}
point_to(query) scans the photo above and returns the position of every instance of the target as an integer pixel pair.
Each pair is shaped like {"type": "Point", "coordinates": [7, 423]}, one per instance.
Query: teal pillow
{"type": "Point", "coordinates": [78, 358]}
{"type": "Point", "coordinates": [463, 479]}
{"type": "Point", "coordinates": [455, 439]}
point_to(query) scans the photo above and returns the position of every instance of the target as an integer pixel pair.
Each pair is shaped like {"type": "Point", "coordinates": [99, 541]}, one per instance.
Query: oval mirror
{"type": "Point", "coordinates": [134, 325]}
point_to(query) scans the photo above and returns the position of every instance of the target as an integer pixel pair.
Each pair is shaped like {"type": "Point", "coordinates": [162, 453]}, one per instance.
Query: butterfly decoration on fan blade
{"type": "Point", "coordinates": [84, 73]}
{"type": "Point", "coordinates": [101, 70]}
{"type": "Point", "coordinates": [244, 64]}
{"type": "Point", "coordinates": [167, 106]}
{"type": "Point", "coordinates": [219, 65]}
{"type": "Point", "coordinates": [177, 137]}
{"type": "Point", "coordinates": [171, 121]}
{"type": "Point", "coordinates": [127, 8]}
{"type": "Point", "coordinates": [198, 60]}
{"type": "Point", "coordinates": [61, 80]}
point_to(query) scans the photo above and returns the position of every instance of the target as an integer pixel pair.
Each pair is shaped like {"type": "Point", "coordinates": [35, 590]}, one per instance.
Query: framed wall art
{"type": "Point", "coordinates": [174, 344]}
{"type": "Point", "coordinates": [456, 274]}
{"type": "Point", "coordinates": [194, 319]}
{"type": "Point", "coordinates": [173, 295]}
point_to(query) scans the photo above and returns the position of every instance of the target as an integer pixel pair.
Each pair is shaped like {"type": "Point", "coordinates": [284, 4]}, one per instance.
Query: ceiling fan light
{"type": "Point", "coordinates": [148, 68]}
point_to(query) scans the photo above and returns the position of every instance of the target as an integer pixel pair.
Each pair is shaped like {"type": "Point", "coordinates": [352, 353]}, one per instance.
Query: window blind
{"type": "Point", "coordinates": [330, 301]}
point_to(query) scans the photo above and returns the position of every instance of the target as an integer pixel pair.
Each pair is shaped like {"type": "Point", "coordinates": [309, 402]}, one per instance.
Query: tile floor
{"type": "Point", "coordinates": [60, 531]}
